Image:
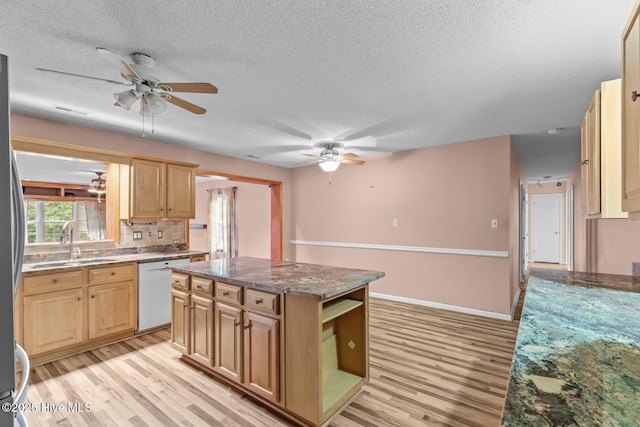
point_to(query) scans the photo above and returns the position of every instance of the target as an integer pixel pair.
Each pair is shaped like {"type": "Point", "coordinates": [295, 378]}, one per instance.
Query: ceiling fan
{"type": "Point", "coordinates": [329, 158]}
{"type": "Point", "coordinates": [147, 87]}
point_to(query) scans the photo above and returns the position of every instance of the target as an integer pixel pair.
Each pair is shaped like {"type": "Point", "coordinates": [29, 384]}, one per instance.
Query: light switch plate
{"type": "Point", "coordinates": [394, 222]}
{"type": "Point", "coordinates": [494, 223]}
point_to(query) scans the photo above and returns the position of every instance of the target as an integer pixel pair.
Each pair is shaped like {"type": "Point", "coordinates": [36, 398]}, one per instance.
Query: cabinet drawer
{"type": "Point", "coordinates": [180, 280]}
{"type": "Point", "coordinates": [197, 258]}
{"type": "Point", "coordinates": [52, 282]}
{"type": "Point", "coordinates": [265, 302]}
{"type": "Point", "coordinates": [202, 285]}
{"type": "Point", "coordinates": [231, 294]}
{"type": "Point", "coordinates": [116, 273]}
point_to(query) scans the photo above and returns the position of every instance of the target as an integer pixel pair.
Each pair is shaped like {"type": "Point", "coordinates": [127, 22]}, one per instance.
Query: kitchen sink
{"type": "Point", "coordinates": [74, 263]}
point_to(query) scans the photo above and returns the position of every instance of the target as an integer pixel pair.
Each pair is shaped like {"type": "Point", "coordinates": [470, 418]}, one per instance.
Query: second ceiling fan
{"type": "Point", "coordinates": [146, 85]}
{"type": "Point", "coordinates": [329, 158]}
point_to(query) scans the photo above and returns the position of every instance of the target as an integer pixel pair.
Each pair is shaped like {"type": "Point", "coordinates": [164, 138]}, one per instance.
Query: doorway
{"type": "Point", "coordinates": [522, 233]}
{"type": "Point", "coordinates": [547, 219]}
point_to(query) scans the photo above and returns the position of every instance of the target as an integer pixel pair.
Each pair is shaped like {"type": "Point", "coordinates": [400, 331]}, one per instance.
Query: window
{"type": "Point", "coordinates": [46, 218]}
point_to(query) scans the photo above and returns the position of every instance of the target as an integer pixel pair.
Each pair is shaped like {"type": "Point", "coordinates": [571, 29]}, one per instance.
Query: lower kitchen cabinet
{"type": "Point", "coordinates": [111, 309]}
{"type": "Point", "coordinates": [262, 355]}
{"type": "Point", "coordinates": [53, 320]}
{"type": "Point", "coordinates": [201, 325]}
{"type": "Point", "coordinates": [228, 341]}
{"type": "Point", "coordinates": [180, 320]}
{"type": "Point", "coordinates": [72, 310]}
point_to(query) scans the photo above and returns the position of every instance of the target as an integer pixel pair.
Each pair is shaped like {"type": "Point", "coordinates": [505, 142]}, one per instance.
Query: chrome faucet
{"type": "Point", "coordinates": [67, 232]}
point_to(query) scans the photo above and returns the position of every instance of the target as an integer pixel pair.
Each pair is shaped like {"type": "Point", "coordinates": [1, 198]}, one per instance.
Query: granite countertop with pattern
{"type": "Point", "coordinates": [312, 280]}
{"type": "Point", "coordinates": [577, 355]}
{"type": "Point", "coordinates": [51, 266]}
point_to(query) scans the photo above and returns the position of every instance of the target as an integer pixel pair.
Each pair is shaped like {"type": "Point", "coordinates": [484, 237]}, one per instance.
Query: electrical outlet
{"type": "Point", "coordinates": [394, 223]}
{"type": "Point", "coordinates": [137, 235]}
{"type": "Point", "coordinates": [159, 234]}
{"type": "Point", "coordinates": [176, 241]}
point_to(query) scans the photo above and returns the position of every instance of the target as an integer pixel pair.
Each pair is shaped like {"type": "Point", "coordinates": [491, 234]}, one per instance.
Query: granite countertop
{"type": "Point", "coordinates": [114, 259]}
{"type": "Point", "coordinates": [577, 355]}
{"type": "Point", "coordinates": [313, 280]}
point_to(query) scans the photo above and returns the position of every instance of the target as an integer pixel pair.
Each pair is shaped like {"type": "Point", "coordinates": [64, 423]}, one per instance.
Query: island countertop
{"type": "Point", "coordinates": [577, 355]}
{"type": "Point", "coordinates": [312, 280]}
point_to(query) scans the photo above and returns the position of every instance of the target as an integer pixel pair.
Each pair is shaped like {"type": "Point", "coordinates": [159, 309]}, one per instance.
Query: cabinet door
{"type": "Point", "coordinates": [262, 355]}
{"type": "Point", "coordinates": [180, 320]}
{"type": "Point", "coordinates": [631, 120]}
{"type": "Point", "coordinates": [201, 325]}
{"type": "Point", "coordinates": [228, 325]}
{"type": "Point", "coordinates": [593, 155]}
{"type": "Point", "coordinates": [147, 192]}
{"type": "Point", "coordinates": [112, 308]}
{"type": "Point", "coordinates": [181, 200]}
{"type": "Point", "coordinates": [53, 320]}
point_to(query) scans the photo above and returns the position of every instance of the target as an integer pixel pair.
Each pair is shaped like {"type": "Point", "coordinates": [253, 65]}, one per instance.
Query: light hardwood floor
{"type": "Point", "coordinates": [429, 367]}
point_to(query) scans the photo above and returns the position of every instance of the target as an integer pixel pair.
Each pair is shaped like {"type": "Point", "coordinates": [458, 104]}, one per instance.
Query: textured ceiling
{"type": "Point", "coordinates": [380, 75]}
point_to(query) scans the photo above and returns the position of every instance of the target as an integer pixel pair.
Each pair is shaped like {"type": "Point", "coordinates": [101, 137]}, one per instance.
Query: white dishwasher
{"type": "Point", "coordinates": [154, 293]}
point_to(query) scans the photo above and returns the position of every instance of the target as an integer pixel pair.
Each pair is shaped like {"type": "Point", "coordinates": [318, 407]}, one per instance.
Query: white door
{"type": "Point", "coordinates": [546, 227]}
{"type": "Point", "coordinates": [522, 235]}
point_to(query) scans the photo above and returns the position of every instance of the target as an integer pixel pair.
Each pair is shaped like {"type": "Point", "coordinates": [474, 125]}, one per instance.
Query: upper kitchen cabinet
{"type": "Point", "coordinates": [600, 147]}
{"type": "Point", "coordinates": [155, 190]}
{"type": "Point", "coordinates": [631, 116]}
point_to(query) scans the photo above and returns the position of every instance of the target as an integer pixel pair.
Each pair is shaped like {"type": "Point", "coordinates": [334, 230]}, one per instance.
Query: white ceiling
{"type": "Point", "coordinates": [382, 75]}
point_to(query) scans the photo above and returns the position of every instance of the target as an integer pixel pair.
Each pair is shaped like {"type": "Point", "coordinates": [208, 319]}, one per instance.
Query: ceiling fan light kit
{"type": "Point", "coordinates": [329, 165]}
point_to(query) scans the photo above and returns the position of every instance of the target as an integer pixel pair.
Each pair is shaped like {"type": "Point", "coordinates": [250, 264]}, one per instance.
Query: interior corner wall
{"type": "Point", "coordinates": [253, 217]}
{"type": "Point", "coordinates": [443, 197]}
{"type": "Point", "coordinates": [579, 223]}
{"type": "Point", "coordinates": [517, 176]}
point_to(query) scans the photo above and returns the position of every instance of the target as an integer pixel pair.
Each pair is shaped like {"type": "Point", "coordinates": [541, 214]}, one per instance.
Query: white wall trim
{"type": "Point", "coordinates": [448, 251]}
{"type": "Point", "coordinates": [455, 308]}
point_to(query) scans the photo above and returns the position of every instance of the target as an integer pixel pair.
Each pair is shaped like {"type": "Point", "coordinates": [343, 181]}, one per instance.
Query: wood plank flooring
{"type": "Point", "coordinates": [429, 367]}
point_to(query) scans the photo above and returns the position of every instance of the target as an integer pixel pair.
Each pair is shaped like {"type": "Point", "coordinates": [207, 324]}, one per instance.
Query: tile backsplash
{"type": "Point", "coordinates": [156, 233]}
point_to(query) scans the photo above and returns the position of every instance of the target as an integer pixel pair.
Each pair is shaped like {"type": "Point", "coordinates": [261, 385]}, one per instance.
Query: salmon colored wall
{"type": "Point", "coordinates": [33, 127]}
{"type": "Point", "coordinates": [549, 188]}
{"type": "Point", "coordinates": [603, 245]}
{"type": "Point", "coordinates": [253, 210]}
{"type": "Point", "coordinates": [443, 197]}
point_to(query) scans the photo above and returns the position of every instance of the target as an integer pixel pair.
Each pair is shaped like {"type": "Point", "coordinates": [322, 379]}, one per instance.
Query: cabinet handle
{"type": "Point", "coordinates": [585, 162]}
{"type": "Point", "coordinates": [634, 95]}
{"type": "Point", "coordinates": [161, 209]}
{"type": "Point", "coordinates": [259, 301]}
{"type": "Point", "coordinates": [225, 294]}
{"type": "Point", "coordinates": [79, 299]}
{"type": "Point", "coordinates": [93, 296]}
{"type": "Point", "coordinates": [177, 282]}
{"type": "Point", "coordinates": [199, 286]}
{"type": "Point", "coordinates": [170, 209]}
{"type": "Point", "coordinates": [236, 323]}
{"type": "Point", "coordinates": [246, 326]}
{"type": "Point", "coordinates": [192, 307]}
{"type": "Point", "coordinates": [55, 281]}
{"type": "Point", "coordinates": [113, 273]}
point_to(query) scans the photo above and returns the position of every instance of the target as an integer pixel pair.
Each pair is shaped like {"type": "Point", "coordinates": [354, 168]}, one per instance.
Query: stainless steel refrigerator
{"type": "Point", "coordinates": [12, 235]}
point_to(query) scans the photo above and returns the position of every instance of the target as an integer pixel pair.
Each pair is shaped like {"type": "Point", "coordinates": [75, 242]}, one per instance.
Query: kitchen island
{"type": "Point", "coordinates": [293, 336]}
{"type": "Point", "coordinates": [577, 355]}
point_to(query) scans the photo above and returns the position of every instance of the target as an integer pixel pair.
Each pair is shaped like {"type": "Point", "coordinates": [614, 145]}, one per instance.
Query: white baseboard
{"type": "Point", "coordinates": [455, 308]}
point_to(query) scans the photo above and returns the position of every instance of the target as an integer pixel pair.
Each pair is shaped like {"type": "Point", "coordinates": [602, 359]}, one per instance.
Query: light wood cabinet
{"type": "Point", "coordinates": [112, 309]}
{"type": "Point", "coordinates": [192, 317]}
{"type": "Point", "coordinates": [228, 342]}
{"type": "Point", "coordinates": [262, 355]}
{"type": "Point", "coordinates": [600, 151]}
{"type": "Point", "coordinates": [53, 320]}
{"type": "Point", "coordinates": [71, 310]}
{"type": "Point", "coordinates": [631, 116]}
{"type": "Point", "coordinates": [180, 320]}
{"type": "Point", "coordinates": [201, 328]}
{"type": "Point", "coordinates": [160, 190]}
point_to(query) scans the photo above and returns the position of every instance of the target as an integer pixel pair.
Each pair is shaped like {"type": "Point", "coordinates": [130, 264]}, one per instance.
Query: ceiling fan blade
{"type": "Point", "coordinates": [349, 155]}
{"type": "Point", "coordinates": [313, 162]}
{"type": "Point", "coordinates": [118, 62]}
{"type": "Point", "coordinates": [313, 155]}
{"type": "Point", "coordinates": [86, 77]}
{"type": "Point", "coordinates": [351, 161]}
{"type": "Point", "coordinates": [195, 109]}
{"type": "Point", "coordinates": [188, 87]}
